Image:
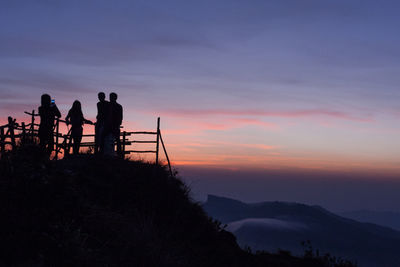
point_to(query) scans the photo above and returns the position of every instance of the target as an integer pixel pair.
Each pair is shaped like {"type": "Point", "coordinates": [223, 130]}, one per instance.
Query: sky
{"type": "Point", "coordinates": [282, 86]}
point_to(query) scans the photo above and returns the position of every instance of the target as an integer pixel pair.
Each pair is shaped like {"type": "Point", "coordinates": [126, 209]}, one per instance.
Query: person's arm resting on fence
{"type": "Point", "coordinates": [68, 118]}
{"type": "Point", "coordinates": [57, 113]}
{"type": "Point", "coordinates": [87, 121]}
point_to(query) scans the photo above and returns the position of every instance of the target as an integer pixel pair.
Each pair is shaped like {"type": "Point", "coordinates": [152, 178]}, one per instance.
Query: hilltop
{"type": "Point", "coordinates": [94, 211]}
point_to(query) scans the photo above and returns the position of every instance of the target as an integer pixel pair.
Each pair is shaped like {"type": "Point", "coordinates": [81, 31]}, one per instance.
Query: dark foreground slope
{"type": "Point", "coordinates": [88, 211]}
{"type": "Point", "coordinates": [272, 225]}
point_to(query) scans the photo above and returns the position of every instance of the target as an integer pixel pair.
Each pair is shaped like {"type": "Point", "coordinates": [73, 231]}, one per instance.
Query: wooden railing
{"type": "Point", "coordinates": [13, 132]}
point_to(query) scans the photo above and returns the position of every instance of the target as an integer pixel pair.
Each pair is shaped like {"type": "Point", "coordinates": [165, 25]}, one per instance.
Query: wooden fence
{"type": "Point", "coordinates": [14, 132]}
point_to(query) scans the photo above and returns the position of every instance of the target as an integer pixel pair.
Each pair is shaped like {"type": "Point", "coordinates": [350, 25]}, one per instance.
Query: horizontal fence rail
{"type": "Point", "coordinates": [14, 132]}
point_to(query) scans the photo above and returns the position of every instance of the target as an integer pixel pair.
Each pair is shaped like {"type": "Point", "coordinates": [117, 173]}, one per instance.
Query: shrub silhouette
{"type": "Point", "coordinates": [94, 211]}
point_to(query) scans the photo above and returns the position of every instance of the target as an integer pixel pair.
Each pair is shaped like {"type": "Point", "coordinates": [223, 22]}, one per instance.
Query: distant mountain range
{"type": "Point", "coordinates": [384, 218]}
{"type": "Point", "coordinates": [279, 225]}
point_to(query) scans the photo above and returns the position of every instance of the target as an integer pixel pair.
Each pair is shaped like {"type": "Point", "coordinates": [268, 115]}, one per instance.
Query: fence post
{"type": "Point", "coordinates": [66, 145]}
{"type": "Point", "coordinates": [158, 139]}
{"type": "Point", "coordinates": [11, 124]}
{"type": "Point", "coordinates": [33, 125]}
{"type": "Point", "coordinates": [123, 144]}
{"type": "Point", "coordinates": [57, 130]}
{"type": "Point", "coordinates": [166, 155]}
{"type": "Point", "coordinates": [69, 143]}
{"type": "Point", "coordinates": [2, 140]}
{"type": "Point", "coordinates": [23, 139]}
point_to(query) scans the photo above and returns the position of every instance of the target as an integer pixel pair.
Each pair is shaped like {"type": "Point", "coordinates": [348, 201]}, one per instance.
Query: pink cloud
{"type": "Point", "coordinates": [396, 113]}
{"type": "Point", "coordinates": [233, 123]}
{"type": "Point", "coordinates": [255, 122]}
{"type": "Point", "coordinates": [178, 131]}
{"type": "Point", "coordinates": [185, 127]}
{"type": "Point", "coordinates": [215, 126]}
{"type": "Point", "coordinates": [226, 124]}
{"type": "Point", "coordinates": [259, 146]}
{"type": "Point", "coordinates": [265, 113]}
{"type": "Point", "coordinates": [226, 144]}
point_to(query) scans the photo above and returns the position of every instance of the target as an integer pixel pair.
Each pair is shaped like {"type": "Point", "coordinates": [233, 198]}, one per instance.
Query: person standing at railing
{"type": "Point", "coordinates": [102, 107]}
{"type": "Point", "coordinates": [76, 119]}
{"type": "Point", "coordinates": [48, 111]}
{"type": "Point", "coordinates": [113, 122]}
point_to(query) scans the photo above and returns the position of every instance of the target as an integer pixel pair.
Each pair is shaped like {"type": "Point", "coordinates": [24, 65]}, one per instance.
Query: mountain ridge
{"type": "Point", "coordinates": [369, 244]}
{"type": "Point", "coordinates": [385, 218]}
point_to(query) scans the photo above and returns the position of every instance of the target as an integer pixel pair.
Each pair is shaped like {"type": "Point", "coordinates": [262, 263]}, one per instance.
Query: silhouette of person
{"type": "Point", "coordinates": [47, 111]}
{"type": "Point", "coordinates": [114, 121]}
{"type": "Point", "coordinates": [12, 122]}
{"type": "Point", "coordinates": [102, 107]}
{"type": "Point", "coordinates": [76, 119]}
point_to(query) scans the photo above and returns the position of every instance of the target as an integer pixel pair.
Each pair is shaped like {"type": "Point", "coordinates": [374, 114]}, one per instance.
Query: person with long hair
{"type": "Point", "coordinates": [76, 119]}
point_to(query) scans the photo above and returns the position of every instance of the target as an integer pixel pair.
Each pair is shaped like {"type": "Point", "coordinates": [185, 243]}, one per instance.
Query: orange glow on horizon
{"type": "Point", "coordinates": [241, 156]}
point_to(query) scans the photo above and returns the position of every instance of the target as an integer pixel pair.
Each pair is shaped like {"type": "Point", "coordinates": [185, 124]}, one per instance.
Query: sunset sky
{"type": "Point", "coordinates": [284, 85]}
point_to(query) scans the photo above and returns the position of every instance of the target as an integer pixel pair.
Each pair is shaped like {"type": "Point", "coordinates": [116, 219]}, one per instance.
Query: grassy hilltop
{"type": "Point", "coordinates": [92, 211]}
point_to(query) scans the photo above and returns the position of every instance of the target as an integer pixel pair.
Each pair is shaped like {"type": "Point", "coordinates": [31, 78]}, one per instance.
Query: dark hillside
{"type": "Point", "coordinates": [88, 211]}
